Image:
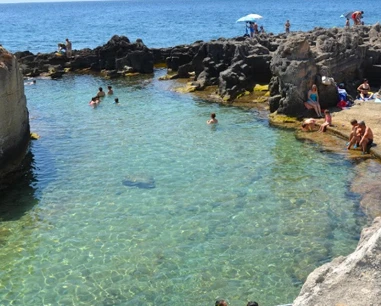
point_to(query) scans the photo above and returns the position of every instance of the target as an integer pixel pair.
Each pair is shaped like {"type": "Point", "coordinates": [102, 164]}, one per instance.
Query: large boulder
{"type": "Point", "coordinates": [14, 117]}
{"type": "Point", "coordinates": [351, 281]}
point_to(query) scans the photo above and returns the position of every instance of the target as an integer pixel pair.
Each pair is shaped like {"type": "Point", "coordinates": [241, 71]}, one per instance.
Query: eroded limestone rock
{"type": "Point", "coordinates": [14, 118]}
{"type": "Point", "coordinates": [351, 281]}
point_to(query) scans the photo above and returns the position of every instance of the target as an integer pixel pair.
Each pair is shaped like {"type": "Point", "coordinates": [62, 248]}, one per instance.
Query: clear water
{"type": "Point", "coordinates": [239, 211]}
{"type": "Point", "coordinates": [161, 23]}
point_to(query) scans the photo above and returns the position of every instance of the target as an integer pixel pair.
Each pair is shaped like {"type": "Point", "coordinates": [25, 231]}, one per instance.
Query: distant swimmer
{"type": "Point", "coordinates": [212, 119]}
{"type": "Point", "coordinates": [116, 100]}
{"type": "Point", "coordinates": [110, 91]}
{"type": "Point", "coordinates": [100, 93]}
{"type": "Point", "coordinates": [30, 83]}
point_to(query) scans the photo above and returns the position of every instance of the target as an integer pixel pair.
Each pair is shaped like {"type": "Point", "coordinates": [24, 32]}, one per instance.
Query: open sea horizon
{"type": "Point", "coordinates": [142, 202]}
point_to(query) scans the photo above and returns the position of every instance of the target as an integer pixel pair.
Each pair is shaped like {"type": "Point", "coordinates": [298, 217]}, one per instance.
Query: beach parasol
{"type": "Point", "coordinates": [347, 14]}
{"type": "Point", "coordinates": [249, 18]}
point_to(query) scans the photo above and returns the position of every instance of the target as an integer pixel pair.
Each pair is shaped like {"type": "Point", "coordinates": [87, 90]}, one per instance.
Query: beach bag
{"type": "Point", "coordinates": [327, 81]}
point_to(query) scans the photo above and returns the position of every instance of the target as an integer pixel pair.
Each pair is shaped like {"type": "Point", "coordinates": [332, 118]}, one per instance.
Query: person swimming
{"type": "Point", "coordinates": [100, 93]}
{"type": "Point", "coordinates": [94, 101]}
{"type": "Point", "coordinates": [212, 119]}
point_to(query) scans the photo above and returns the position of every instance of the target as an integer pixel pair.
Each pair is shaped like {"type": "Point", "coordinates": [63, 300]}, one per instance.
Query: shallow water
{"type": "Point", "coordinates": [239, 210]}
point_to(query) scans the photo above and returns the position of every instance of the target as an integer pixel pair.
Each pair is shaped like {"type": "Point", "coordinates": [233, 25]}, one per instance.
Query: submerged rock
{"type": "Point", "coordinates": [139, 181]}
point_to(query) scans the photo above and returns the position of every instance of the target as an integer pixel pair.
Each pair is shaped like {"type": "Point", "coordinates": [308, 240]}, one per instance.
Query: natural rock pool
{"type": "Point", "coordinates": [240, 211]}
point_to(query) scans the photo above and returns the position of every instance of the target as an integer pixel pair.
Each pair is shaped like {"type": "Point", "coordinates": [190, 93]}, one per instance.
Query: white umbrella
{"type": "Point", "coordinates": [347, 14]}
{"type": "Point", "coordinates": [249, 18]}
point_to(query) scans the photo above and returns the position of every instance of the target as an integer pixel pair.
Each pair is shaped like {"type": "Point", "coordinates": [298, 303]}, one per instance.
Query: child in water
{"type": "Point", "coordinates": [328, 121]}
{"type": "Point", "coordinates": [212, 119]}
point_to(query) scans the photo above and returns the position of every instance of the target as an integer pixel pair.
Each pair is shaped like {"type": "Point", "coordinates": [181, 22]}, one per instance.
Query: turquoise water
{"type": "Point", "coordinates": [239, 211]}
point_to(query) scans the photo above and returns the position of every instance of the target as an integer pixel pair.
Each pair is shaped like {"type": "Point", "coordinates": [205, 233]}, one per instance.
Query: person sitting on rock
{"type": "Point", "coordinates": [61, 48]}
{"type": "Point", "coordinates": [328, 121]}
{"type": "Point", "coordinates": [364, 89]}
{"type": "Point", "coordinates": [100, 93]}
{"type": "Point", "coordinates": [353, 134]}
{"type": "Point", "coordinates": [366, 140]}
{"type": "Point", "coordinates": [313, 100]}
{"type": "Point", "coordinates": [308, 125]}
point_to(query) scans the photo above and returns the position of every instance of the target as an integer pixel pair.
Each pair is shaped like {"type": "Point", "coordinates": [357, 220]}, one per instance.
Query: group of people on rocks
{"type": "Point", "coordinates": [100, 94]}
{"type": "Point", "coordinates": [356, 17]}
{"type": "Point", "coordinates": [361, 137]}
{"type": "Point", "coordinates": [254, 29]}
{"type": "Point", "coordinates": [224, 303]}
{"type": "Point", "coordinates": [65, 48]}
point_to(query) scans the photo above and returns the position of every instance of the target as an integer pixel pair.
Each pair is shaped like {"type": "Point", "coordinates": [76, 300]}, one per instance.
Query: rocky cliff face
{"type": "Point", "coordinates": [14, 118]}
{"type": "Point", "coordinates": [347, 55]}
{"type": "Point", "coordinates": [348, 281]}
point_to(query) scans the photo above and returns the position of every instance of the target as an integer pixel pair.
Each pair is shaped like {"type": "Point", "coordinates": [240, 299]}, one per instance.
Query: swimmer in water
{"type": "Point", "coordinates": [212, 119]}
{"type": "Point", "coordinates": [94, 101]}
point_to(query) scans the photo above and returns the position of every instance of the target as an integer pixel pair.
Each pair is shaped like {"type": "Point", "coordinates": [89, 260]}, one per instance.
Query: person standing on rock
{"type": "Point", "coordinates": [356, 16]}
{"type": "Point", "coordinates": [347, 24]}
{"type": "Point", "coordinates": [313, 100]}
{"type": "Point", "coordinates": [287, 26]}
{"type": "Point", "coordinates": [68, 48]}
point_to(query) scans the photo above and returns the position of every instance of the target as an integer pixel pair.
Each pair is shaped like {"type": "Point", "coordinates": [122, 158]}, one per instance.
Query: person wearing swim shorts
{"type": "Point", "coordinates": [366, 139]}
{"type": "Point", "coordinates": [356, 16]}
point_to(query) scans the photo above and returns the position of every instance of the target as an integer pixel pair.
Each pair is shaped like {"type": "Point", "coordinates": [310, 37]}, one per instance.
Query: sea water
{"type": "Point", "coordinates": [239, 210]}
{"type": "Point", "coordinates": [39, 27]}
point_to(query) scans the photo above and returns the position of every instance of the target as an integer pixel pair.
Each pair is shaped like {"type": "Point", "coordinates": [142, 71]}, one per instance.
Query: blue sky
{"type": "Point", "coordinates": [28, 1]}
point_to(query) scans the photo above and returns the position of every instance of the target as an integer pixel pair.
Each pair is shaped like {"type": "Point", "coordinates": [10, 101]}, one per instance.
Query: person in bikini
{"type": "Point", "coordinates": [364, 89]}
